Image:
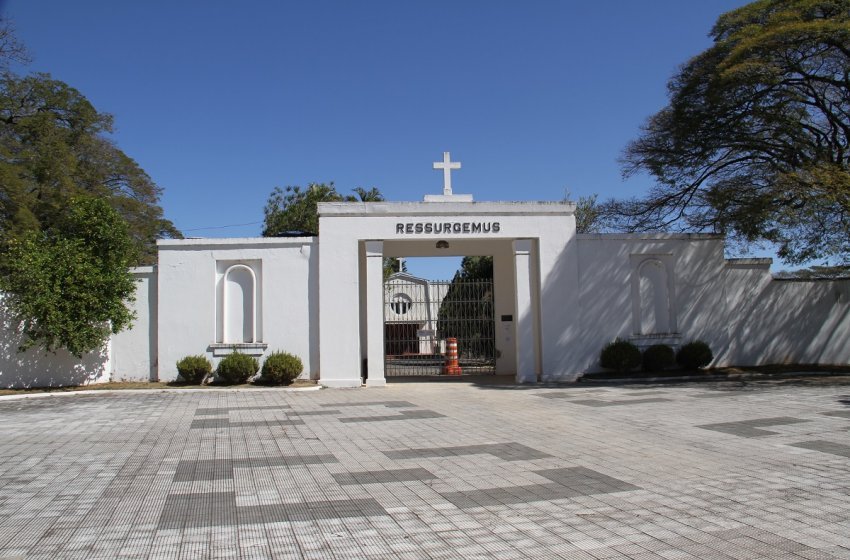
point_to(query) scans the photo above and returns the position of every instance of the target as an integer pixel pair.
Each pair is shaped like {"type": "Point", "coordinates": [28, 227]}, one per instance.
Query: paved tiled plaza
{"type": "Point", "coordinates": [428, 470]}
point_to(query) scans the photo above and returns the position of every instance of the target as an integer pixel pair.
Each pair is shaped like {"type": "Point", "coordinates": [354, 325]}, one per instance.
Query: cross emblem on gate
{"type": "Point", "coordinates": [447, 165]}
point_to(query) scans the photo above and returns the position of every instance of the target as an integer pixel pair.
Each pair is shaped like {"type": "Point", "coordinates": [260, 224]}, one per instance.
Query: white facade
{"type": "Point", "coordinates": [558, 297]}
{"type": "Point", "coordinates": [416, 301]}
{"type": "Point", "coordinates": [133, 351]}
{"type": "Point", "coordinates": [251, 295]}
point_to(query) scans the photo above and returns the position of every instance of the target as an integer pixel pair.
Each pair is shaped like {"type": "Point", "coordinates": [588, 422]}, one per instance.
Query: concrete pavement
{"type": "Point", "coordinates": [428, 470]}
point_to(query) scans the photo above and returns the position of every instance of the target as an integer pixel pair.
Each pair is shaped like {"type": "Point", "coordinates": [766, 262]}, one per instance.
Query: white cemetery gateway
{"type": "Point", "coordinates": [557, 297]}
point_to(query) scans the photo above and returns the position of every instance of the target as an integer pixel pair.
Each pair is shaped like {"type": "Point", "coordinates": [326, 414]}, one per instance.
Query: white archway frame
{"type": "Point", "coordinates": [226, 335]}
{"type": "Point", "coordinates": [667, 262]}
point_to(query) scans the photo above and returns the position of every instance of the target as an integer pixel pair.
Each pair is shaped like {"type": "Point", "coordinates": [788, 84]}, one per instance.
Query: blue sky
{"type": "Point", "coordinates": [222, 101]}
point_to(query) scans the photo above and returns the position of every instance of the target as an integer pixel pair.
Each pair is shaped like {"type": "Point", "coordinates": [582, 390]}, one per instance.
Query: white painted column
{"type": "Point", "coordinates": [375, 313]}
{"type": "Point", "coordinates": [340, 355]}
{"type": "Point", "coordinates": [526, 370]}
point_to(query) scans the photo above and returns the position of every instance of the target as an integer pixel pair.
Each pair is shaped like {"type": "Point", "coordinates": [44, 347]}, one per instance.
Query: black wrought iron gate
{"type": "Point", "coordinates": [419, 316]}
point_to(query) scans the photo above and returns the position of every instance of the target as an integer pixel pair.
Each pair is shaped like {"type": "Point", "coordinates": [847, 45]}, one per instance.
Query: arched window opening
{"type": "Point", "coordinates": [239, 305]}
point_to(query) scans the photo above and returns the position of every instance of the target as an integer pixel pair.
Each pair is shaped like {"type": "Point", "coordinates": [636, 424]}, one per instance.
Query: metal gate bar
{"type": "Point", "coordinates": [419, 316]}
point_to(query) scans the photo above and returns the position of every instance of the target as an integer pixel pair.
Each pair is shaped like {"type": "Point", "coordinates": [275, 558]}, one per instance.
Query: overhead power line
{"type": "Point", "coordinates": [223, 227]}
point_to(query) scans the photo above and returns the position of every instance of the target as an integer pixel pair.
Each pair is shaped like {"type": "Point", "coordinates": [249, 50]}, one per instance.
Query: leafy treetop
{"type": "Point", "coordinates": [11, 49]}
{"type": "Point", "coordinates": [294, 210]}
{"type": "Point", "coordinates": [75, 213]}
{"type": "Point", "coordinates": [53, 147]}
{"type": "Point", "coordinates": [68, 286]}
{"type": "Point", "coordinates": [588, 214]}
{"type": "Point", "coordinates": [755, 141]}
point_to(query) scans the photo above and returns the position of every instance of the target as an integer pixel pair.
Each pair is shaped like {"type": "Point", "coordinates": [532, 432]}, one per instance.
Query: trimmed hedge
{"type": "Point", "coordinates": [620, 355]}
{"type": "Point", "coordinates": [236, 368]}
{"type": "Point", "coordinates": [694, 355]}
{"type": "Point", "coordinates": [194, 369]}
{"type": "Point", "coordinates": [658, 357]}
{"type": "Point", "coordinates": [281, 368]}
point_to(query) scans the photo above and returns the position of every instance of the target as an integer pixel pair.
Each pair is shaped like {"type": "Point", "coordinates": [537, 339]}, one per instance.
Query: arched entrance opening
{"type": "Point", "coordinates": [427, 319]}
{"type": "Point", "coordinates": [486, 311]}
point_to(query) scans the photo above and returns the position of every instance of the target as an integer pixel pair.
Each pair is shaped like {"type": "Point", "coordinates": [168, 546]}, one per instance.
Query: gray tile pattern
{"type": "Point", "coordinates": [213, 509]}
{"type": "Point", "coordinates": [219, 411]}
{"type": "Point", "coordinates": [579, 478]}
{"type": "Point", "coordinates": [751, 428]}
{"type": "Point", "coordinates": [216, 411]}
{"type": "Point", "coordinates": [388, 404]}
{"type": "Point", "coordinates": [211, 423]}
{"type": "Point", "coordinates": [596, 403]}
{"type": "Point", "coordinates": [831, 447]}
{"type": "Point", "coordinates": [403, 415]}
{"type": "Point", "coordinates": [383, 476]}
{"type": "Point", "coordinates": [566, 483]}
{"type": "Point", "coordinates": [217, 469]}
{"type": "Point", "coordinates": [268, 422]}
{"type": "Point", "coordinates": [504, 451]}
{"type": "Point", "coordinates": [503, 474]}
{"type": "Point", "coordinates": [309, 511]}
{"type": "Point", "coordinates": [204, 509]}
{"type": "Point", "coordinates": [208, 423]}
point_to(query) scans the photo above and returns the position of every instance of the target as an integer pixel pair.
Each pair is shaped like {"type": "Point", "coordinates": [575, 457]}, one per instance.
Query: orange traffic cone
{"type": "Point", "coordinates": [452, 367]}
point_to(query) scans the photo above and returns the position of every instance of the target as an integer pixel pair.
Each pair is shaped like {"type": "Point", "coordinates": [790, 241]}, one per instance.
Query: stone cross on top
{"type": "Point", "coordinates": [447, 165]}
{"type": "Point", "coordinates": [448, 196]}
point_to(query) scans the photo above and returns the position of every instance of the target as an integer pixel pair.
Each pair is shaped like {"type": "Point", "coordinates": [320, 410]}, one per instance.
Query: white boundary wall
{"type": "Point", "coordinates": [188, 273]}
{"type": "Point", "coordinates": [127, 356]}
{"type": "Point", "coordinates": [782, 321]}
{"type": "Point", "coordinates": [577, 293]}
{"type": "Point", "coordinates": [38, 368]}
{"type": "Point", "coordinates": [746, 316]}
{"type": "Point", "coordinates": [133, 352]}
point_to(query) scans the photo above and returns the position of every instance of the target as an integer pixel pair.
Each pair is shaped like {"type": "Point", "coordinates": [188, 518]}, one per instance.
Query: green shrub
{"type": "Point", "coordinates": [694, 355]}
{"type": "Point", "coordinates": [194, 369]}
{"type": "Point", "coordinates": [236, 368]}
{"type": "Point", "coordinates": [620, 355]}
{"type": "Point", "coordinates": [658, 357]}
{"type": "Point", "coordinates": [281, 368]}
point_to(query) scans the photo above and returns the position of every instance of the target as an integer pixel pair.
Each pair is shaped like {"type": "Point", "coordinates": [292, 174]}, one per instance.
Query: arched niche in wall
{"type": "Point", "coordinates": [654, 298]}
{"type": "Point", "coordinates": [653, 295]}
{"type": "Point", "coordinates": [238, 295]}
{"type": "Point", "coordinates": [239, 304]}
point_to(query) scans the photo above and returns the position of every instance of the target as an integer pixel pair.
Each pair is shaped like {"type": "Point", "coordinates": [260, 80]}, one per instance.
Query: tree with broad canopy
{"type": "Point", "coordinates": [295, 211]}
{"type": "Point", "coordinates": [53, 147]}
{"type": "Point", "coordinates": [754, 141]}
{"type": "Point", "coordinates": [75, 212]}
